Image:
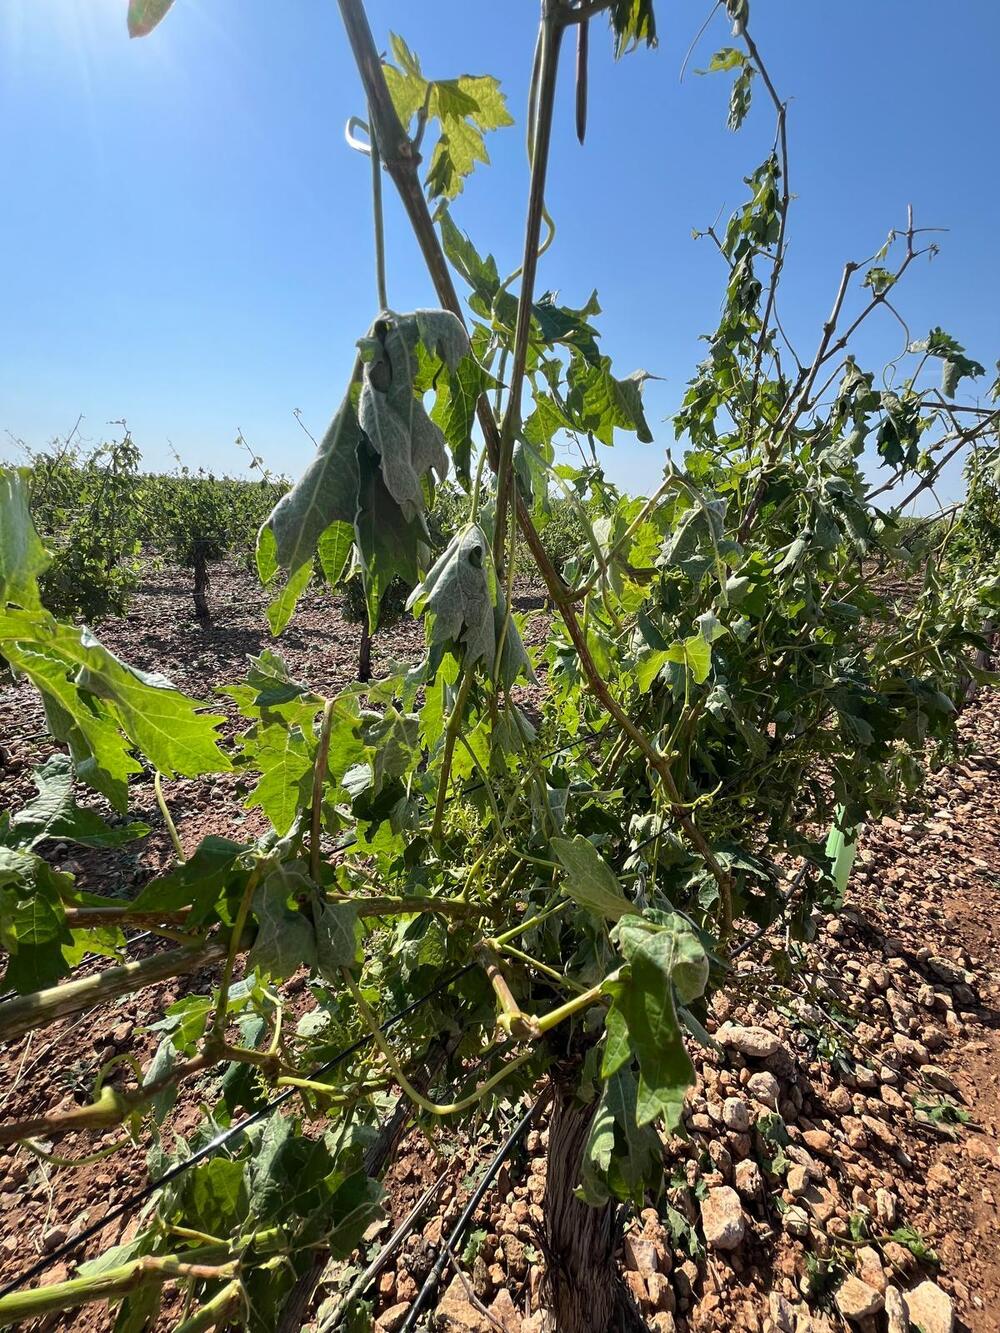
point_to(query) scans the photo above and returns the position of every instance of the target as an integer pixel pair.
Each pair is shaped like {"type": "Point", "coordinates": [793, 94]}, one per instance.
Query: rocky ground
{"type": "Point", "coordinates": [843, 1162]}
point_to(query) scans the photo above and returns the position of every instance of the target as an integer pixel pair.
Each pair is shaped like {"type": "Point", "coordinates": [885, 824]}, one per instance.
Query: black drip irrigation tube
{"type": "Point", "coordinates": [220, 1140]}
{"type": "Point", "coordinates": [433, 1280]}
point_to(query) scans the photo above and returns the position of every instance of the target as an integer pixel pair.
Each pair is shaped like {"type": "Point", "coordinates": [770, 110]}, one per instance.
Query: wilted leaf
{"type": "Point", "coordinates": [590, 881]}
{"type": "Point", "coordinates": [661, 960]}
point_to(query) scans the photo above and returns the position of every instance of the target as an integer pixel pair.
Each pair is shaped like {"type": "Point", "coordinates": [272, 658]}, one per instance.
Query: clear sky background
{"type": "Point", "coordinates": [185, 237]}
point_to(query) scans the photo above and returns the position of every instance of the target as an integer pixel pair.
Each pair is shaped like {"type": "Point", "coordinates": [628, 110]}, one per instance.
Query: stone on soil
{"type": "Point", "coordinates": [722, 1218]}
{"type": "Point", "coordinates": [856, 1300]}
{"type": "Point", "coordinates": [755, 1042]}
{"type": "Point", "coordinates": [895, 1311]}
{"type": "Point", "coordinates": [930, 1307]}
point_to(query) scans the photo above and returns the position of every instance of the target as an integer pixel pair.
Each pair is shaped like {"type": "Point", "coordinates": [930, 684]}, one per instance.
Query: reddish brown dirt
{"type": "Point", "coordinates": [927, 886]}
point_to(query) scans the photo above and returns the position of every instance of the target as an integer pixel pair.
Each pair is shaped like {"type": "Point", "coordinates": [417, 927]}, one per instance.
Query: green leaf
{"type": "Point", "coordinates": [660, 962]}
{"type": "Point", "coordinates": [326, 493]}
{"type": "Point", "coordinates": [393, 419]}
{"type": "Point", "coordinates": [22, 555]}
{"type": "Point", "coordinates": [648, 666]}
{"type": "Point", "coordinates": [598, 402]}
{"type": "Point", "coordinates": [336, 938]}
{"type": "Point", "coordinates": [139, 1310]}
{"type": "Point", "coordinates": [458, 598]}
{"type": "Point", "coordinates": [200, 883]}
{"type": "Point", "coordinates": [730, 57]}
{"type": "Point", "coordinates": [160, 1067]}
{"type": "Point", "coordinates": [696, 656]}
{"type": "Point", "coordinates": [621, 1158]}
{"type": "Point", "coordinates": [454, 411]}
{"type": "Point", "coordinates": [53, 813]}
{"type": "Point", "coordinates": [144, 15]}
{"type": "Point", "coordinates": [633, 22]}
{"type": "Point", "coordinates": [101, 756]}
{"type": "Point", "coordinates": [284, 760]}
{"type": "Point", "coordinates": [282, 607]}
{"type": "Point", "coordinates": [464, 108]}
{"type": "Point", "coordinates": [32, 922]}
{"type": "Point", "coordinates": [389, 545]}
{"type": "Point", "coordinates": [285, 938]}
{"type": "Point", "coordinates": [75, 670]}
{"type": "Point", "coordinates": [160, 721]}
{"type": "Point", "coordinates": [589, 880]}
{"type": "Point", "coordinates": [334, 550]}
{"type": "Point", "coordinates": [212, 1197]}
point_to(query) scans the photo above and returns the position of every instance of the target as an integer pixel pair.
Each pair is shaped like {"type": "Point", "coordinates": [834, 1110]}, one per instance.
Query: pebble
{"type": "Point", "coordinates": [856, 1300]}
{"type": "Point", "coordinates": [764, 1087]}
{"type": "Point", "coordinates": [870, 1268]}
{"type": "Point", "coordinates": [748, 1179]}
{"type": "Point", "coordinates": [736, 1115]}
{"type": "Point", "coordinates": [722, 1218]}
{"type": "Point", "coordinates": [930, 1307]}
{"type": "Point", "coordinates": [895, 1311]}
{"type": "Point", "coordinates": [756, 1043]}
{"type": "Point", "coordinates": [640, 1254]}
{"type": "Point", "coordinates": [796, 1221]}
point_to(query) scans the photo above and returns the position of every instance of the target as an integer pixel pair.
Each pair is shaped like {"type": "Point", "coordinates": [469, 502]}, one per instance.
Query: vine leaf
{"type": "Point", "coordinates": [326, 493]}
{"type": "Point", "coordinates": [91, 698]}
{"type": "Point", "coordinates": [694, 654]}
{"type": "Point", "coordinates": [633, 21]}
{"type": "Point", "coordinates": [284, 760]}
{"type": "Point", "coordinates": [368, 483]}
{"type": "Point", "coordinates": [458, 598]}
{"type": "Point", "coordinates": [621, 1159]}
{"type": "Point", "coordinates": [54, 814]}
{"type": "Point", "coordinates": [163, 723]}
{"type": "Point", "coordinates": [22, 555]}
{"type": "Point", "coordinates": [589, 880]}
{"type": "Point", "coordinates": [336, 938]}
{"type": "Point", "coordinates": [956, 366]}
{"type": "Point", "coordinates": [395, 423]}
{"type": "Point", "coordinates": [144, 15]}
{"type": "Point", "coordinates": [389, 544]}
{"type": "Point", "coordinates": [33, 927]}
{"type": "Point", "coordinates": [598, 402]}
{"type": "Point", "coordinates": [201, 882]}
{"type": "Point", "coordinates": [465, 108]}
{"type": "Point", "coordinates": [281, 608]}
{"type": "Point", "coordinates": [662, 958]}
{"type": "Point", "coordinates": [285, 937]}
{"type": "Point", "coordinates": [466, 611]}
{"type": "Point", "coordinates": [334, 551]}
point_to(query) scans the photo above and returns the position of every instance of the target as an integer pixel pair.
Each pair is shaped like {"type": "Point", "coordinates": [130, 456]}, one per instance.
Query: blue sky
{"type": "Point", "coordinates": [186, 237]}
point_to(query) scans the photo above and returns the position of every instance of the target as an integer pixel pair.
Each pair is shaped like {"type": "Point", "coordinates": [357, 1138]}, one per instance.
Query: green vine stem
{"type": "Point", "coordinates": [235, 941]}
{"type": "Point", "coordinates": [540, 130]}
{"type": "Point", "coordinates": [451, 735]}
{"type": "Point", "coordinates": [217, 1310]}
{"type": "Point", "coordinates": [161, 801]}
{"type": "Point", "coordinates": [319, 778]}
{"type": "Point", "coordinates": [418, 1099]}
{"type": "Point", "coordinates": [39, 1008]}
{"type": "Point", "coordinates": [205, 1263]}
{"type": "Point", "coordinates": [380, 283]}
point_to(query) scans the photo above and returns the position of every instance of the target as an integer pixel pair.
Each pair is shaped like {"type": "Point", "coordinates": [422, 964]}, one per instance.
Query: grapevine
{"type": "Point", "coordinates": [509, 872]}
